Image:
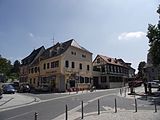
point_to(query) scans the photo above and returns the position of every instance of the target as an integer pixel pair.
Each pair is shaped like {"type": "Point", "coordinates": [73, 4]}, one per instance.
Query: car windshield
{"type": "Point", "coordinates": [10, 86]}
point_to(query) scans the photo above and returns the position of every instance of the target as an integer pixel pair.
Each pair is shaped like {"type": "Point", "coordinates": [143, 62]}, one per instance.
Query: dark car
{"type": "Point", "coordinates": [1, 93]}
{"type": "Point", "coordinates": [7, 88]}
{"type": "Point", "coordinates": [24, 88]}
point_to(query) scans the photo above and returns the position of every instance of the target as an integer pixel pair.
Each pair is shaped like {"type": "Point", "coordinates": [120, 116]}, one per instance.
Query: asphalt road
{"type": "Point", "coordinates": [53, 105]}
{"type": "Point", "coordinates": [49, 109]}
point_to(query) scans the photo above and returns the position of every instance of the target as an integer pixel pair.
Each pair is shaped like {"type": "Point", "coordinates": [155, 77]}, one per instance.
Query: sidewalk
{"type": "Point", "coordinates": [10, 101]}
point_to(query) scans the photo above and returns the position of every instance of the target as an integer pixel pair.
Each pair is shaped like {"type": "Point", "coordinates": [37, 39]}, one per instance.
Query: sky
{"type": "Point", "coordinates": [114, 28]}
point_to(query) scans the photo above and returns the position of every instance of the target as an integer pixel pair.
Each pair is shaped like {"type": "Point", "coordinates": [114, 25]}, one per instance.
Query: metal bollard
{"type": "Point", "coordinates": [120, 92]}
{"type": "Point", "coordinates": [125, 90]}
{"type": "Point", "coordinates": [135, 105]}
{"type": "Point", "coordinates": [82, 110]}
{"type": "Point", "coordinates": [66, 112]}
{"type": "Point", "coordinates": [155, 106]}
{"type": "Point", "coordinates": [98, 107]}
{"type": "Point", "coordinates": [35, 116]}
{"type": "Point", "coordinates": [115, 105]}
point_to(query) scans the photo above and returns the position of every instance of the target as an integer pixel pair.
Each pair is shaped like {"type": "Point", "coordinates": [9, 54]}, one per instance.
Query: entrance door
{"type": "Point", "coordinates": [95, 82]}
{"type": "Point", "coordinates": [72, 83]}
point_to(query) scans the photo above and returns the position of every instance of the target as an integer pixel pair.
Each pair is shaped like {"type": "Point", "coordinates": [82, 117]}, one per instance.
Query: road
{"type": "Point", "coordinates": [53, 106]}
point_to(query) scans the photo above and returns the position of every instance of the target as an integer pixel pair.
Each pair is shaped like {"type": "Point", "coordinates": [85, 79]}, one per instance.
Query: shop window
{"type": "Point", "coordinates": [87, 80]}
{"type": "Point", "coordinates": [81, 79]}
{"type": "Point", "coordinates": [103, 79]}
{"type": "Point", "coordinates": [30, 80]}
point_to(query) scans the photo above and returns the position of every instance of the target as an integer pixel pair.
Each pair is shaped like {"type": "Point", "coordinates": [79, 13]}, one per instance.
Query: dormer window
{"type": "Point", "coordinates": [109, 59]}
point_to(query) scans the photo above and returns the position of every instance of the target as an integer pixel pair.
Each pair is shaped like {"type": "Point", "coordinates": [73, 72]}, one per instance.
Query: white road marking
{"type": "Point", "coordinates": [21, 115]}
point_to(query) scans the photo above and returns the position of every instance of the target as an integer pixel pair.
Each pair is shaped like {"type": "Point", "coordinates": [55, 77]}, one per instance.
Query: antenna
{"type": "Point", "coordinates": [53, 40]}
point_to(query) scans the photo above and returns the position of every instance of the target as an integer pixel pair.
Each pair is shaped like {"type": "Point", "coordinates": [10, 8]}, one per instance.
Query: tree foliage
{"type": "Point", "coordinates": [153, 35]}
{"type": "Point", "coordinates": [8, 70]}
{"type": "Point", "coordinates": [5, 66]}
{"type": "Point", "coordinates": [140, 69]}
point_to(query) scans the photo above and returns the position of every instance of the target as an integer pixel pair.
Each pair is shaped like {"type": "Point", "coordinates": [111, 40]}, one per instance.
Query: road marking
{"type": "Point", "coordinates": [21, 115]}
{"type": "Point", "coordinates": [73, 111]}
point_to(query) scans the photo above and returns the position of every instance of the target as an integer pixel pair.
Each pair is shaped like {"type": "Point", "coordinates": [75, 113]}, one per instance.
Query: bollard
{"type": "Point", "coordinates": [66, 112]}
{"type": "Point", "coordinates": [155, 106]}
{"type": "Point", "coordinates": [135, 105]}
{"type": "Point", "coordinates": [35, 116]}
{"type": "Point", "coordinates": [82, 110]}
{"type": "Point", "coordinates": [120, 92]}
{"type": "Point", "coordinates": [115, 105]}
{"type": "Point", "coordinates": [125, 90]}
{"type": "Point", "coordinates": [98, 107]}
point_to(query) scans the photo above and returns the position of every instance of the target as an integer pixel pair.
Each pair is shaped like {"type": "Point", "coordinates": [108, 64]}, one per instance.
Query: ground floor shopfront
{"type": "Point", "coordinates": [109, 81]}
{"type": "Point", "coordinates": [59, 82]}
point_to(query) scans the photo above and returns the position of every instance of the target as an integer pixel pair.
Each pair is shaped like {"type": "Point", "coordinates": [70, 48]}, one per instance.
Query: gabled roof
{"type": "Point", "coordinates": [114, 61]}
{"type": "Point", "coordinates": [75, 44]}
{"type": "Point", "coordinates": [29, 59]}
{"type": "Point", "coordinates": [60, 48]}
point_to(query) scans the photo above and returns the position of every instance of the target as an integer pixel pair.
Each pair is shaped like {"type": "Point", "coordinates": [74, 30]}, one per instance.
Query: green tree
{"type": "Point", "coordinates": [15, 68]}
{"type": "Point", "coordinates": [141, 74]}
{"type": "Point", "coordinates": [153, 35]}
{"type": "Point", "coordinates": [5, 66]}
{"type": "Point", "coordinates": [140, 69]}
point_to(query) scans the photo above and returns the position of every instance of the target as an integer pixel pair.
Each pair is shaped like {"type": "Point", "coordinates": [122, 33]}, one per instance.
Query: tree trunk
{"type": "Point", "coordinates": [145, 88]}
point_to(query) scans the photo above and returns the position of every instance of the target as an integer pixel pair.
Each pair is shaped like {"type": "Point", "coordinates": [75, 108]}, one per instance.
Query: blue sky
{"type": "Point", "coordinates": [115, 28]}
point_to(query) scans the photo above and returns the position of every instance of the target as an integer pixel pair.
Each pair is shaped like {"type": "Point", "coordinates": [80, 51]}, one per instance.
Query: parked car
{"type": "Point", "coordinates": [24, 88]}
{"type": "Point", "coordinates": [8, 88]}
{"type": "Point", "coordinates": [16, 85]}
{"type": "Point", "coordinates": [1, 93]}
{"type": "Point", "coordinates": [135, 83]}
{"type": "Point", "coordinates": [153, 84]}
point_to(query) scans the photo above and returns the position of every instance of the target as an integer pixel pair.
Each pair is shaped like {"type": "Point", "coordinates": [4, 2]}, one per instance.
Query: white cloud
{"type": "Point", "coordinates": [131, 35]}
{"type": "Point", "coordinates": [31, 35]}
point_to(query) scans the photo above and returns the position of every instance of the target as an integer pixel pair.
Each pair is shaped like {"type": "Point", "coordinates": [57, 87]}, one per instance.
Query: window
{"type": "Point", "coordinates": [98, 60]}
{"type": "Point", "coordinates": [83, 56]}
{"type": "Point", "coordinates": [57, 64]}
{"type": "Point", "coordinates": [67, 64]}
{"type": "Point", "coordinates": [34, 81]}
{"type": "Point", "coordinates": [73, 65]}
{"type": "Point", "coordinates": [44, 66]}
{"type": "Point", "coordinates": [30, 80]}
{"type": "Point", "coordinates": [73, 53]}
{"type": "Point", "coordinates": [35, 69]}
{"type": "Point", "coordinates": [87, 80]}
{"type": "Point", "coordinates": [54, 64]}
{"type": "Point", "coordinates": [38, 69]}
{"type": "Point", "coordinates": [32, 70]}
{"type": "Point", "coordinates": [80, 66]}
{"type": "Point", "coordinates": [81, 79]}
{"type": "Point", "coordinates": [103, 79]}
{"type": "Point", "coordinates": [47, 65]}
{"type": "Point", "coordinates": [88, 67]}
